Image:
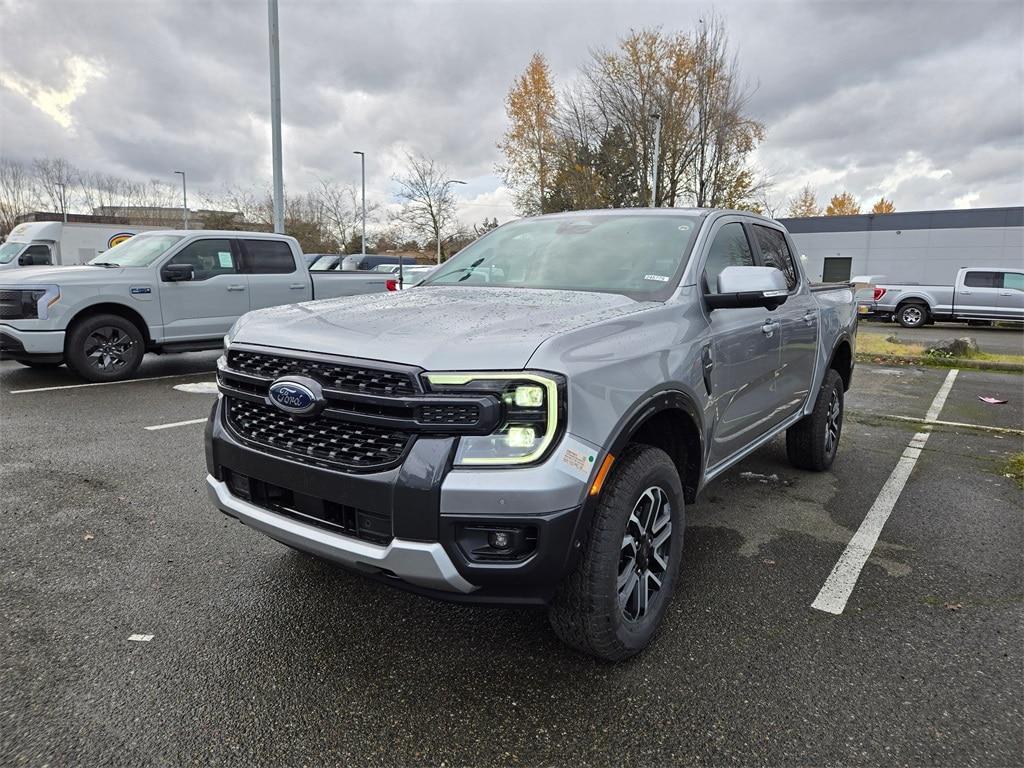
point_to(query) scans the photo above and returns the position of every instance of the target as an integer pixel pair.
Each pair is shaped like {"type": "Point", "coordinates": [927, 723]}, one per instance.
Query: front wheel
{"type": "Point", "coordinates": [104, 348]}
{"type": "Point", "coordinates": [812, 442]}
{"type": "Point", "coordinates": [912, 315]}
{"type": "Point", "coordinates": [612, 604]}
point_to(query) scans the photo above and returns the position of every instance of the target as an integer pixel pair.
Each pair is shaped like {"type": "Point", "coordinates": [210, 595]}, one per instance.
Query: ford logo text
{"type": "Point", "coordinates": [295, 397]}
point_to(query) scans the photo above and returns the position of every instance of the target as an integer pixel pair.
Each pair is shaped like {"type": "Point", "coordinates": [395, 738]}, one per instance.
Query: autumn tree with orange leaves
{"type": "Point", "coordinates": [883, 206]}
{"type": "Point", "coordinates": [843, 204]}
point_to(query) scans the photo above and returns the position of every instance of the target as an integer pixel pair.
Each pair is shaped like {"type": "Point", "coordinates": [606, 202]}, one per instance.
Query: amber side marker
{"type": "Point", "coordinates": [602, 473]}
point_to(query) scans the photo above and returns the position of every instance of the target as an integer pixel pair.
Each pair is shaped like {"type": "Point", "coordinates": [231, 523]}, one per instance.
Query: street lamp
{"type": "Point", "coordinates": [444, 193]}
{"type": "Point", "coordinates": [656, 117]}
{"type": "Point", "coordinates": [362, 162]}
{"type": "Point", "coordinates": [184, 200]}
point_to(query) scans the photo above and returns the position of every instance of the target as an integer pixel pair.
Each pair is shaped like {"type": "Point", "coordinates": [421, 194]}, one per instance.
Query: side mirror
{"type": "Point", "coordinates": [749, 287]}
{"type": "Point", "coordinates": [24, 260]}
{"type": "Point", "coordinates": [176, 273]}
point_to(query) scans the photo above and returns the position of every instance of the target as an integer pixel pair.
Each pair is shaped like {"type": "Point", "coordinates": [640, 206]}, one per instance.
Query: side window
{"type": "Point", "coordinates": [1013, 281]}
{"type": "Point", "coordinates": [729, 249]}
{"type": "Point", "coordinates": [208, 258]}
{"type": "Point", "coordinates": [775, 253]}
{"type": "Point", "coordinates": [983, 279]}
{"type": "Point", "coordinates": [268, 257]}
{"type": "Point", "coordinates": [35, 256]}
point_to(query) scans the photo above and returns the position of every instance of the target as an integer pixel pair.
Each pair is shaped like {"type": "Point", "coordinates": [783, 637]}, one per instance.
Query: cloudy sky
{"type": "Point", "coordinates": [920, 101]}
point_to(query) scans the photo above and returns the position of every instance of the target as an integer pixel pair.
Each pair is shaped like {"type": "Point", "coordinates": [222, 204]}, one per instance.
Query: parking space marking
{"type": "Point", "coordinates": [176, 424]}
{"type": "Point", "coordinates": [941, 423]}
{"type": "Point", "coordinates": [840, 583]}
{"type": "Point", "coordinates": [106, 383]}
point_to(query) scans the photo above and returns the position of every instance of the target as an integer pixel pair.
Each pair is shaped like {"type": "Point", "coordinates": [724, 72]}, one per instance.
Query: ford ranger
{"type": "Point", "coordinates": [528, 425]}
{"type": "Point", "coordinates": [161, 291]}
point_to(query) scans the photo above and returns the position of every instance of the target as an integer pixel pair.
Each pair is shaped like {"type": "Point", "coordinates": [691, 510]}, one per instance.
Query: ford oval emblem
{"type": "Point", "coordinates": [293, 395]}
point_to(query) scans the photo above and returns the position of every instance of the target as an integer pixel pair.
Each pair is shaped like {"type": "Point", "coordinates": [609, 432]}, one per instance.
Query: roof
{"type": "Point", "coordinates": [962, 218]}
{"type": "Point", "coordinates": [220, 233]}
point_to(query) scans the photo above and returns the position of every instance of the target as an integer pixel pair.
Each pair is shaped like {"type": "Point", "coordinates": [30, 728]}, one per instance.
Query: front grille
{"type": "Point", "coordinates": [338, 443]}
{"type": "Point", "coordinates": [349, 378]}
{"type": "Point", "coordinates": [14, 306]}
{"type": "Point", "coordinates": [338, 518]}
{"type": "Point", "coordinates": [448, 414]}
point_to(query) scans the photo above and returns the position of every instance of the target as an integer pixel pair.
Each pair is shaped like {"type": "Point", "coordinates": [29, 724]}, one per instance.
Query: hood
{"type": "Point", "coordinates": [57, 275]}
{"type": "Point", "coordinates": [436, 328]}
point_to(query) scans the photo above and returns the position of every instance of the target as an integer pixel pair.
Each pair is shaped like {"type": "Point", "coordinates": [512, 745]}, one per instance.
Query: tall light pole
{"type": "Point", "coordinates": [275, 115]}
{"type": "Point", "coordinates": [63, 200]}
{"type": "Point", "coordinates": [362, 163]}
{"type": "Point", "coordinates": [656, 117]}
{"type": "Point", "coordinates": [444, 194]}
{"type": "Point", "coordinates": [184, 201]}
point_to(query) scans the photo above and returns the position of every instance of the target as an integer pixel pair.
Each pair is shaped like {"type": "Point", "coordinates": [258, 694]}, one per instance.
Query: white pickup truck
{"type": "Point", "coordinates": [979, 293]}
{"type": "Point", "coordinates": [164, 291]}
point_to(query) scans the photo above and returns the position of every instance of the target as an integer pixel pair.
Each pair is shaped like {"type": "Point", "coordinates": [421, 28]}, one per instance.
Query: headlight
{"type": "Point", "coordinates": [27, 303]}
{"type": "Point", "coordinates": [531, 416]}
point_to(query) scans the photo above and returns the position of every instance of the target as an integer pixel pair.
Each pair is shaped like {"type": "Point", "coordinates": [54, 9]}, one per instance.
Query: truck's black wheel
{"type": "Point", "coordinates": [612, 603]}
{"type": "Point", "coordinates": [104, 348]}
{"type": "Point", "coordinates": [812, 442]}
{"type": "Point", "coordinates": [912, 315]}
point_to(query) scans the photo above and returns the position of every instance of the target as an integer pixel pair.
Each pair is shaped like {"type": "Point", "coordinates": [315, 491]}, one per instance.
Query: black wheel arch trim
{"type": "Point", "coordinates": [125, 311]}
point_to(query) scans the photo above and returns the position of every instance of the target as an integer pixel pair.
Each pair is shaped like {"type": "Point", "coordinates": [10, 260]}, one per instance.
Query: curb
{"type": "Point", "coordinates": [943, 362]}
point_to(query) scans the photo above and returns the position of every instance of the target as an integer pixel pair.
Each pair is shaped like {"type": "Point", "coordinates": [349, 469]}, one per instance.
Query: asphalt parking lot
{"type": "Point", "coordinates": [262, 656]}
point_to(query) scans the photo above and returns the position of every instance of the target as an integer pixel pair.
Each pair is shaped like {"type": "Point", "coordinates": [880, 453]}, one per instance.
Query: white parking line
{"type": "Point", "coordinates": [176, 424]}
{"type": "Point", "coordinates": [840, 583]}
{"type": "Point", "coordinates": [941, 423]}
{"type": "Point", "coordinates": [107, 383]}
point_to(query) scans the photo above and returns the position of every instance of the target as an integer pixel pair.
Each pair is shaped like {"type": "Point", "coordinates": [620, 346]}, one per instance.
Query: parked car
{"type": "Point", "coordinates": [45, 243]}
{"type": "Point", "coordinates": [979, 293]}
{"type": "Point", "coordinates": [324, 258]}
{"type": "Point", "coordinates": [535, 439]}
{"type": "Point", "coordinates": [362, 262]}
{"type": "Point", "coordinates": [166, 291]}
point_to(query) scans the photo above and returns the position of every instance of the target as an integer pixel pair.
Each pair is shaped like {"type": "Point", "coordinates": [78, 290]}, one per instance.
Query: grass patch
{"type": "Point", "coordinates": [872, 344]}
{"type": "Point", "coordinates": [1013, 468]}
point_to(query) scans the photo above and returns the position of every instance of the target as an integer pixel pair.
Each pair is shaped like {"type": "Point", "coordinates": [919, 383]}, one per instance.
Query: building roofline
{"type": "Point", "coordinates": [954, 218]}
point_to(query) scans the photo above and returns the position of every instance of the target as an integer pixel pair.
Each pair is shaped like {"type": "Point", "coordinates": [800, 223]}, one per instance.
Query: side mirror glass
{"type": "Point", "coordinates": [24, 261]}
{"type": "Point", "coordinates": [749, 287]}
{"type": "Point", "coordinates": [176, 273]}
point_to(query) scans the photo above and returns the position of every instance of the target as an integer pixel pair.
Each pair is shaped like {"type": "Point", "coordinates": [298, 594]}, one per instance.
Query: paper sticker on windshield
{"type": "Point", "coordinates": [225, 259]}
{"type": "Point", "coordinates": [656, 278]}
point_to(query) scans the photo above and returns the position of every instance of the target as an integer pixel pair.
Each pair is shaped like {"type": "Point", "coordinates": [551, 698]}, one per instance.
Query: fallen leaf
{"type": "Point", "coordinates": [88, 536]}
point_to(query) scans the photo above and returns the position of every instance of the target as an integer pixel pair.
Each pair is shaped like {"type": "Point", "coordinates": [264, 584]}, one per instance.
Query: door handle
{"type": "Point", "coordinates": [965, 293]}
{"type": "Point", "coordinates": [770, 327]}
{"type": "Point", "coordinates": [297, 286]}
{"type": "Point", "coordinates": [236, 287]}
{"type": "Point", "coordinates": [810, 317]}
{"type": "Point", "coordinates": [1006, 293]}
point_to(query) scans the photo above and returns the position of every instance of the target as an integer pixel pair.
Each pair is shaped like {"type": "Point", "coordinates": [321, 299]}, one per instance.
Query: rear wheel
{"type": "Point", "coordinates": [104, 348]}
{"type": "Point", "coordinates": [912, 315]}
{"type": "Point", "coordinates": [812, 442]}
{"type": "Point", "coordinates": [611, 605]}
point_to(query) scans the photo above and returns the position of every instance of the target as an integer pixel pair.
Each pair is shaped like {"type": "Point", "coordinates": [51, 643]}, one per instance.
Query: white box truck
{"type": "Point", "coordinates": [44, 243]}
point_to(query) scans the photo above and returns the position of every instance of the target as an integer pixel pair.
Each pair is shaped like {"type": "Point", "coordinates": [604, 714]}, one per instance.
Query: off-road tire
{"type": "Point", "coordinates": [586, 613]}
{"type": "Point", "coordinates": [78, 339]}
{"type": "Point", "coordinates": [806, 441]}
{"type": "Point", "coordinates": [912, 314]}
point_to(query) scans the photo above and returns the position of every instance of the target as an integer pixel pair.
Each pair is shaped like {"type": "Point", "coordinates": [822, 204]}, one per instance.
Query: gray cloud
{"type": "Point", "coordinates": [849, 91]}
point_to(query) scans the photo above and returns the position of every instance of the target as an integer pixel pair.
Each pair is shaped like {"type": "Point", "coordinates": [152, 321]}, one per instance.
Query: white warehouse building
{"type": "Point", "coordinates": [915, 247]}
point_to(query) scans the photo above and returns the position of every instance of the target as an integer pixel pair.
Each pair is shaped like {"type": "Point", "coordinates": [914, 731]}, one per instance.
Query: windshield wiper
{"type": "Point", "coordinates": [107, 264]}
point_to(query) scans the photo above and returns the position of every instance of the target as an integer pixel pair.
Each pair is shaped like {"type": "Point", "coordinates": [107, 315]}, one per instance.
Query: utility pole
{"type": "Point", "coordinates": [362, 162]}
{"type": "Point", "coordinates": [275, 115]}
{"type": "Point", "coordinates": [184, 201]}
{"type": "Point", "coordinates": [440, 202]}
{"type": "Point", "coordinates": [656, 116]}
{"type": "Point", "coordinates": [63, 200]}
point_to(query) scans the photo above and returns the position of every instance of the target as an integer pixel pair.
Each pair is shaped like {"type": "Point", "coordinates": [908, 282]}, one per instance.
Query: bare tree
{"type": "Point", "coordinates": [429, 208]}
{"type": "Point", "coordinates": [55, 178]}
{"type": "Point", "coordinates": [342, 209]}
{"type": "Point", "coordinates": [17, 193]}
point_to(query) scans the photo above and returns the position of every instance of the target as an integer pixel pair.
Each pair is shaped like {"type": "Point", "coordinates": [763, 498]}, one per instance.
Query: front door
{"type": "Point", "coordinates": [206, 306]}
{"type": "Point", "coordinates": [744, 352]}
{"type": "Point", "coordinates": [798, 318]}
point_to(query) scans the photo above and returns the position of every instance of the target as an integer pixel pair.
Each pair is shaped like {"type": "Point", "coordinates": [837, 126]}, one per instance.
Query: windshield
{"type": "Point", "coordinates": [324, 263]}
{"type": "Point", "coordinates": [138, 251]}
{"type": "Point", "coordinates": [636, 255]}
{"type": "Point", "coordinates": [9, 250]}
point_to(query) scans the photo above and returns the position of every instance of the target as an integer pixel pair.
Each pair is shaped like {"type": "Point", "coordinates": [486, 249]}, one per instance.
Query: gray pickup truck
{"type": "Point", "coordinates": [161, 291]}
{"type": "Point", "coordinates": [977, 294]}
{"type": "Point", "coordinates": [527, 426]}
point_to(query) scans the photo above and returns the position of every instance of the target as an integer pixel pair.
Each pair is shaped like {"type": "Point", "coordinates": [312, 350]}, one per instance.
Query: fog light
{"type": "Point", "coordinates": [520, 437]}
{"type": "Point", "coordinates": [529, 397]}
{"type": "Point", "coordinates": [499, 540]}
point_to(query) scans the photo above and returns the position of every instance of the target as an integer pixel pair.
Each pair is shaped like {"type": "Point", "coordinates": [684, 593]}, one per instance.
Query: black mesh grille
{"type": "Point", "coordinates": [346, 444]}
{"type": "Point", "coordinates": [350, 378]}
{"type": "Point", "coordinates": [12, 306]}
{"type": "Point", "coordinates": [448, 414]}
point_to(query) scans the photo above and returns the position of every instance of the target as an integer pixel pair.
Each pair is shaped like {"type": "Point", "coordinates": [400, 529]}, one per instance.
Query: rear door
{"type": "Point", "coordinates": [1011, 297]}
{"type": "Point", "coordinates": [978, 295]}
{"type": "Point", "coordinates": [274, 276]}
{"type": "Point", "coordinates": [742, 355]}
{"type": "Point", "coordinates": [799, 319]}
{"type": "Point", "coordinates": [205, 306]}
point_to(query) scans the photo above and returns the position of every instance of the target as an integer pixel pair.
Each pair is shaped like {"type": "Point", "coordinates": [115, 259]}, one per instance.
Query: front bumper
{"type": "Point", "coordinates": [429, 507]}
{"type": "Point", "coordinates": [18, 344]}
